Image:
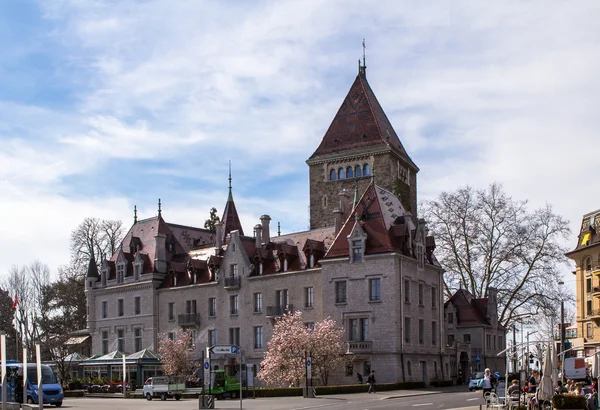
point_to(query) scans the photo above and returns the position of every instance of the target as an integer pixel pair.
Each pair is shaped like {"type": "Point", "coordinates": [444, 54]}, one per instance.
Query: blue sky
{"type": "Point", "coordinates": [109, 104]}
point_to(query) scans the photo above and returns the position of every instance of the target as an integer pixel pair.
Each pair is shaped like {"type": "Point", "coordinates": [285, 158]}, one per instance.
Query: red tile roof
{"type": "Point", "coordinates": [469, 310]}
{"type": "Point", "coordinates": [360, 124]}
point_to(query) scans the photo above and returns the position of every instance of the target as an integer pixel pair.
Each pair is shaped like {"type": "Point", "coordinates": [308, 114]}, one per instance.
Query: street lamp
{"type": "Point", "coordinates": [562, 329]}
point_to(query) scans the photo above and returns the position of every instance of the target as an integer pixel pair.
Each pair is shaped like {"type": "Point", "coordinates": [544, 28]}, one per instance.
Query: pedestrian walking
{"type": "Point", "coordinates": [371, 381]}
{"type": "Point", "coordinates": [487, 382]}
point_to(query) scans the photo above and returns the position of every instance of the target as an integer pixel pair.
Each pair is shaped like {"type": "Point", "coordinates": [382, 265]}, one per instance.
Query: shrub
{"type": "Point", "coordinates": [569, 401]}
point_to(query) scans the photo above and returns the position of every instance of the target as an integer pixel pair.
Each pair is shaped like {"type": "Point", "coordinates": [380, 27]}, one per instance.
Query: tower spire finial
{"type": "Point", "coordinates": [364, 54]}
{"type": "Point", "coordinates": [159, 208]}
{"type": "Point", "coordinates": [134, 214]}
{"type": "Point", "coordinates": [362, 69]}
{"type": "Point", "coordinates": [230, 196]}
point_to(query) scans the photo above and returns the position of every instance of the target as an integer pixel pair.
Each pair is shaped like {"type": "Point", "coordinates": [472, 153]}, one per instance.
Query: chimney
{"type": "Point", "coordinates": [344, 196]}
{"type": "Point", "coordinates": [266, 235]}
{"type": "Point", "coordinates": [219, 235]}
{"type": "Point", "coordinates": [258, 234]}
{"type": "Point", "coordinates": [338, 221]}
{"type": "Point", "coordinates": [160, 255]}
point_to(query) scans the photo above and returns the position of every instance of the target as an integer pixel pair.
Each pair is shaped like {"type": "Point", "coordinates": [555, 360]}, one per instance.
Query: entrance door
{"type": "Point", "coordinates": [423, 365]}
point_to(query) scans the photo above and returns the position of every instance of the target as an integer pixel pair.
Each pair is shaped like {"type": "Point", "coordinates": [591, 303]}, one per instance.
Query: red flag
{"type": "Point", "coordinates": [16, 302]}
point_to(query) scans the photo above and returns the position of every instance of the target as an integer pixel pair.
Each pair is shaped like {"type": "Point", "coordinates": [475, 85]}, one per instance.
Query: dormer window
{"type": "Point", "coordinates": [137, 271]}
{"type": "Point", "coordinates": [357, 250]}
{"type": "Point", "coordinates": [104, 275]}
{"type": "Point", "coordinates": [170, 247]}
{"type": "Point", "coordinates": [260, 268]}
{"type": "Point", "coordinates": [420, 255]}
{"type": "Point", "coordinates": [311, 261]}
{"type": "Point", "coordinates": [120, 272]}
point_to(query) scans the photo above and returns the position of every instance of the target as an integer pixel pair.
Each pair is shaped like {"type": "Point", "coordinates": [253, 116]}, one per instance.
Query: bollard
{"type": "Point", "coordinates": [206, 402]}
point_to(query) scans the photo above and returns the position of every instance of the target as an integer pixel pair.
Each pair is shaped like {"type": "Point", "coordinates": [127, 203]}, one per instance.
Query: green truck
{"type": "Point", "coordinates": [223, 386]}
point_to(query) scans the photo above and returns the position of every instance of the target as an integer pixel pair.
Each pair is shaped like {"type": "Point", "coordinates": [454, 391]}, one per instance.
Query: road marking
{"type": "Point", "coordinates": [477, 398]}
{"type": "Point", "coordinates": [422, 404]}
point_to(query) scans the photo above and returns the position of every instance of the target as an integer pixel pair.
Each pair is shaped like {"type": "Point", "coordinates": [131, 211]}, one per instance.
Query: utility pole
{"type": "Point", "coordinates": [562, 331]}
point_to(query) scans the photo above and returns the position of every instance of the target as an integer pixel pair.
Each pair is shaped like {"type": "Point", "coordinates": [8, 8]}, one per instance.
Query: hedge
{"type": "Point", "coordinates": [569, 401]}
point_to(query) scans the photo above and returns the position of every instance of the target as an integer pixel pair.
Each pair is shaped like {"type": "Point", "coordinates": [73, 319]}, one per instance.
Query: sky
{"type": "Point", "coordinates": [109, 104]}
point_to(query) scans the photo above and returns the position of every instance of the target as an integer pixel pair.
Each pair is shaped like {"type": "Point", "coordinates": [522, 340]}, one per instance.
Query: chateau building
{"type": "Point", "coordinates": [367, 262]}
{"type": "Point", "coordinates": [586, 339]}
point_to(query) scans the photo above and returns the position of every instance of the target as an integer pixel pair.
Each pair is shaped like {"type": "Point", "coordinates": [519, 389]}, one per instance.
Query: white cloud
{"type": "Point", "coordinates": [477, 92]}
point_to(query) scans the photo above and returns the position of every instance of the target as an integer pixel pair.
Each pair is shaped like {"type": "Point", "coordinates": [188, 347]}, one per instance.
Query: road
{"type": "Point", "coordinates": [439, 399]}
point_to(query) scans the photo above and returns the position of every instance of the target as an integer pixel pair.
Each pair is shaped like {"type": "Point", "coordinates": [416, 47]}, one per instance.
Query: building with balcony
{"type": "Point", "coordinates": [367, 262]}
{"type": "Point", "coordinates": [586, 256]}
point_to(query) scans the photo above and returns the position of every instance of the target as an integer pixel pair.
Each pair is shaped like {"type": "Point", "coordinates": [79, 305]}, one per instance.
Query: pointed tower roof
{"type": "Point", "coordinates": [360, 124]}
{"type": "Point", "coordinates": [231, 220]}
{"type": "Point", "coordinates": [92, 268]}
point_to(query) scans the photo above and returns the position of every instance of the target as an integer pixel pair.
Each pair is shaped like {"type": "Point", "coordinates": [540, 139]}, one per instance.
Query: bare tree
{"type": "Point", "coordinates": [486, 239]}
{"type": "Point", "coordinates": [94, 237]}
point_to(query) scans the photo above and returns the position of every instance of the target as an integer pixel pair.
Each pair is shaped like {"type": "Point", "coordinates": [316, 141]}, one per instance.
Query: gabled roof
{"type": "Point", "coordinates": [144, 354]}
{"type": "Point", "coordinates": [360, 124]}
{"type": "Point", "coordinates": [377, 211]}
{"type": "Point", "coordinates": [469, 310]}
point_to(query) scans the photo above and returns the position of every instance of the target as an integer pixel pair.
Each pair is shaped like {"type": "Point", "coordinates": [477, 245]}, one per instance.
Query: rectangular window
{"type": "Point", "coordinates": [212, 307]}
{"type": "Point", "coordinates": [104, 309]}
{"type": "Point", "coordinates": [233, 303]}
{"type": "Point", "coordinates": [374, 289]}
{"type": "Point", "coordinates": [212, 337]}
{"type": "Point", "coordinates": [590, 330]}
{"type": "Point", "coordinates": [120, 307]}
{"type": "Point", "coordinates": [190, 307]}
{"type": "Point", "coordinates": [233, 270]}
{"type": "Point", "coordinates": [340, 292]}
{"type": "Point", "coordinates": [234, 336]}
{"type": "Point", "coordinates": [171, 335]}
{"type": "Point", "coordinates": [589, 307]}
{"type": "Point", "coordinates": [450, 340]}
{"type": "Point", "coordinates": [258, 337]}
{"type": "Point", "coordinates": [121, 340]}
{"type": "Point", "coordinates": [488, 341]}
{"type": "Point", "coordinates": [138, 305]}
{"type": "Point", "coordinates": [450, 318]}
{"type": "Point", "coordinates": [421, 294]}
{"type": "Point", "coordinates": [467, 338]}
{"type": "Point", "coordinates": [359, 329]}
{"type": "Point", "coordinates": [421, 331]}
{"type": "Point", "coordinates": [434, 333]}
{"type": "Point", "coordinates": [588, 283]}
{"type": "Point", "coordinates": [357, 250]}
{"type": "Point", "coordinates": [282, 298]}
{"type": "Point", "coordinates": [309, 295]}
{"type": "Point", "coordinates": [407, 290]}
{"type": "Point", "coordinates": [407, 330]}
{"type": "Point", "coordinates": [104, 342]}
{"type": "Point", "coordinates": [310, 325]}
{"type": "Point", "coordinates": [171, 310]}
{"type": "Point", "coordinates": [257, 302]}
{"type": "Point", "coordinates": [434, 297]}
{"type": "Point", "coordinates": [137, 339]}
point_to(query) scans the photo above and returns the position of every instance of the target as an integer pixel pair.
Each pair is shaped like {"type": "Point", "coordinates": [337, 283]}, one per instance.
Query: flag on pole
{"type": "Point", "coordinates": [16, 302]}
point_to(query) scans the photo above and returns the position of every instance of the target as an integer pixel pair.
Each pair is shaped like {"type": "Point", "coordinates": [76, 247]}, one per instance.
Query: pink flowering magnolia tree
{"type": "Point", "coordinates": [284, 360]}
{"type": "Point", "coordinates": [178, 354]}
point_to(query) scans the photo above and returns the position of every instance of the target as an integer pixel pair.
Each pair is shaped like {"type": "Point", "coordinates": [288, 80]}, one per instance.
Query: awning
{"type": "Point", "coordinates": [585, 239]}
{"type": "Point", "coordinates": [76, 340]}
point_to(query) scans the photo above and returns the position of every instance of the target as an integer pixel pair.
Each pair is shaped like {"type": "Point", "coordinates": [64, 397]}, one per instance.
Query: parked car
{"type": "Point", "coordinates": [475, 380]}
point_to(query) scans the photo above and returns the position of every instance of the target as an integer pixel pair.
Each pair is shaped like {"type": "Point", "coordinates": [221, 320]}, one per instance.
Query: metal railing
{"type": "Point", "coordinates": [364, 346]}
{"type": "Point", "coordinates": [275, 311]}
{"type": "Point", "coordinates": [188, 319]}
{"type": "Point", "coordinates": [232, 282]}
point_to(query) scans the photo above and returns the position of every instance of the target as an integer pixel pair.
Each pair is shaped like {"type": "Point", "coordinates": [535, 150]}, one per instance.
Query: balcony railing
{"type": "Point", "coordinates": [596, 270]}
{"type": "Point", "coordinates": [188, 319]}
{"type": "Point", "coordinates": [232, 282]}
{"type": "Point", "coordinates": [364, 346]}
{"type": "Point", "coordinates": [276, 311]}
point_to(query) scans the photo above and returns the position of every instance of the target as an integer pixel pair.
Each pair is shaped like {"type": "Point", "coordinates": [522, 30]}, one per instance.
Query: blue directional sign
{"type": "Point", "coordinates": [308, 368]}
{"type": "Point", "coordinates": [206, 375]}
{"type": "Point", "coordinates": [234, 350]}
{"type": "Point", "coordinates": [477, 359]}
{"type": "Point", "coordinates": [206, 365]}
{"type": "Point", "coordinates": [225, 349]}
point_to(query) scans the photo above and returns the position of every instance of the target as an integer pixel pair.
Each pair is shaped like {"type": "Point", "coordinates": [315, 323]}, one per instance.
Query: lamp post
{"type": "Point", "coordinates": [562, 330]}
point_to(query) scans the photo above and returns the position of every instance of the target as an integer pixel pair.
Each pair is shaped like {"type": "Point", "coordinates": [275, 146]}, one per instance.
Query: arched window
{"type": "Point", "coordinates": [349, 173]}
{"type": "Point", "coordinates": [332, 175]}
{"type": "Point", "coordinates": [341, 173]}
{"type": "Point", "coordinates": [357, 171]}
{"type": "Point", "coordinates": [366, 169]}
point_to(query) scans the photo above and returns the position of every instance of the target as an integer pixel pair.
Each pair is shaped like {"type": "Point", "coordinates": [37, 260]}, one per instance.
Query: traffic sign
{"type": "Point", "coordinates": [224, 349]}
{"type": "Point", "coordinates": [477, 359]}
{"type": "Point", "coordinates": [308, 368]}
{"type": "Point", "coordinates": [206, 366]}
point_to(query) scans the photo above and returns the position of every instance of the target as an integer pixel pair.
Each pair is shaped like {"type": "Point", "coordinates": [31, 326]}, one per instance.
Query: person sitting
{"type": "Point", "coordinates": [526, 387]}
{"type": "Point", "coordinates": [560, 389]}
{"type": "Point", "coordinates": [513, 390]}
{"type": "Point", "coordinates": [579, 390]}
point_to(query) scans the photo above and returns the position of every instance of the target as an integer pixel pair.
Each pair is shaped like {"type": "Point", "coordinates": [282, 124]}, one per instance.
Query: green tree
{"type": "Point", "coordinates": [212, 221]}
